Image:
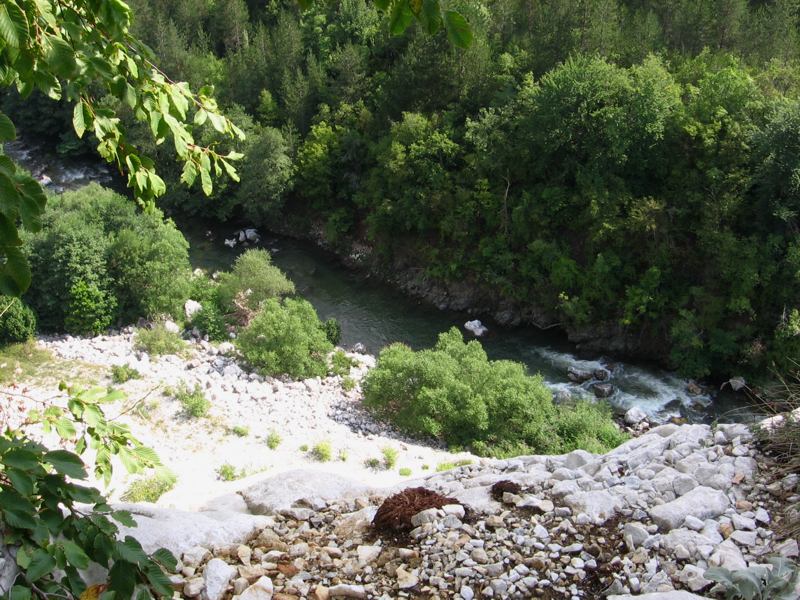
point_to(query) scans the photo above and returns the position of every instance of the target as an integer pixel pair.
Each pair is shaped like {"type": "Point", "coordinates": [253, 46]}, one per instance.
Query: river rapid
{"type": "Point", "coordinates": [375, 315]}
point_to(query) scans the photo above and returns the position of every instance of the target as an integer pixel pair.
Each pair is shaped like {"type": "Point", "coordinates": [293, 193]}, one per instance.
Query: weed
{"type": "Point", "coordinates": [405, 472]}
{"type": "Point", "coordinates": [240, 430]}
{"type": "Point", "coordinates": [322, 451]}
{"type": "Point", "coordinates": [389, 457]}
{"type": "Point", "coordinates": [304, 448]}
{"type": "Point", "coordinates": [150, 489]}
{"type": "Point", "coordinates": [227, 472]}
{"type": "Point", "coordinates": [123, 373]}
{"type": "Point", "coordinates": [342, 455]}
{"type": "Point", "coordinates": [348, 384]}
{"type": "Point", "coordinates": [158, 340]}
{"type": "Point", "coordinates": [194, 402]}
{"type": "Point", "coordinates": [341, 363]}
{"type": "Point", "coordinates": [273, 440]}
{"type": "Point", "coordinates": [373, 463]}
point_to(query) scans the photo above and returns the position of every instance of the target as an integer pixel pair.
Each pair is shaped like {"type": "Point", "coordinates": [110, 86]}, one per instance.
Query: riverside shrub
{"type": "Point", "coordinates": [455, 393]}
{"type": "Point", "coordinates": [17, 321]}
{"type": "Point", "coordinates": [286, 337]}
{"type": "Point", "coordinates": [254, 276]}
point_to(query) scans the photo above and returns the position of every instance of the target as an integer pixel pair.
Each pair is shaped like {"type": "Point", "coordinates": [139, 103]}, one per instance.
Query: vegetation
{"type": "Point", "coordinates": [453, 392]}
{"type": "Point", "coordinates": [776, 580]}
{"type": "Point", "coordinates": [273, 440]}
{"type": "Point", "coordinates": [240, 430]}
{"type": "Point", "coordinates": [22, 361]}
{"type": "Point", "coordinates": [286, 337]}
{"type": "Point", "coordinates": [228, 472]}
{"type": "Point", "coordinates": [194, 401]}
{"type": "Point", "coordinates": [373, 463]}
{"type": "Point", "coordinates": [17, 321]}
{"type": "Point", "coordinates": [333, 331]}
{"type": "Point", "coordinates": [252, 281]}
{"type": "Point", "coordinates": [150, 489]}
{"type": "Point", "coordinates": [209, 321]}
{"type": "Point", "coordinates": [123, 373]}
{"type": "Point", "coordinates": [341, 363]}
{"type": "Point", "coordinates": [322, 451]}
{"type": "Point", "coordinates": [404, 472]}
{"type": "Point", "coordinates": [389, 457]}
{"type": "Point", "coordinates": [158, 340]}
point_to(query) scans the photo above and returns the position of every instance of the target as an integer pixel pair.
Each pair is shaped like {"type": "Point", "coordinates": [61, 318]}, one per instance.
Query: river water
{"type": "Point", "coordinates": [375, 315]}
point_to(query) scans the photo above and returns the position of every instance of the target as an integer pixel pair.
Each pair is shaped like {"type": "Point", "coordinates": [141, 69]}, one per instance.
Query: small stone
{"type": "Point", "coordinates": [788, 548]}
{"type": "Point", "coordinates": [467, 593]}
{"type": "Point", "coordinates": [454, 509]}
{"type": "Point", "coordinates": [194, 557]}
{"type": "Point", "coordinates": [260, 590]}
{"type": "Point", "coordinates": [217, 575]}
{"type": "Point", "coordinates": [193, 587]}
{"type": "Point", "coordinates": [244, 553]}
{"type": "Point", "coordinates": [744, 538]}
{"type": "Point", "coordinates": [321, 593]}
{"type": "Point", "coordinates": [348, 591]}
{"type": "Point", "coordinates": [479, 556]}
{"type": "Point", "coordinates": [406, 579]}
{"type": "Point", "coordinates": [368, 554]}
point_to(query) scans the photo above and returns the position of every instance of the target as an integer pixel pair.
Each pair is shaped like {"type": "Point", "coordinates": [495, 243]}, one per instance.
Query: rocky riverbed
{"type": "Point", "coordinates": [650, 517]}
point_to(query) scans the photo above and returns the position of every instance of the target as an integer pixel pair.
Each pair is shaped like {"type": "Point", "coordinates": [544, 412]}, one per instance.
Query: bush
{"type": "Point", "coordinates": [256, 278]}
{"type": "Point", "coordinates": [240, 430]}
{"type": "Point", "coordinates": [150, 489]}
{"type": "Point", "coordinates": [348, 384]}
{"type": "Point", "coordinates": [341, 363]}
{"type": "Point", "coordinates": [194, 401]}
{"type": "Point", "coordinates": [405, 472]}
{"type": "Point", "coordinates": [17, 321]}
{"type": "Point", "coordinates": [453, 392]}
{"type": "Point", "coordinates": [273, 440]}
{"type": "Point", "coordinates": [209, 321]}
{"type": "Point", "coordinates": [389, 457]}
{"type": "Point", "coordinates": [333, 331]}
{"type": "Point", "coordinates": [227, 472]}
{"type": "Point", "coordinates": [123, 373]}
{"type": "Point", "coordinates": [158, 340]}
{"type": "Point", "coordinates": [90, 310]}
{"type": "Point", "coordinates": [286, 338]}
{"type": "Point", "coordinates": [322, 452]}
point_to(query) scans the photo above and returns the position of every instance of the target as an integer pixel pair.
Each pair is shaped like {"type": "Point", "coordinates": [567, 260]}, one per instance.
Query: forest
{"type": "Point", "coordinates": [622, 168]}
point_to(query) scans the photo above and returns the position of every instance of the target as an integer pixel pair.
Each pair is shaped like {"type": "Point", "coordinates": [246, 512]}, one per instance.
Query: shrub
{"type": "Point", "coordinates": [342, 455]}
{"type": "Point", "coordinates": [123, 373]}
{"type": "Point", "coordinates": [348, 384]}
{"type": "Point", "coordinates": [150, 489]}
{"type": "Point", "coordinates": [304, 448]}
{"type": "Point", "coordinates": [158, 340]}
{"type": "Point", "coordinates": [285, 337]}
{"type": "Point", "coordinates": [389, 457]}
{"type": "Point", "coordinates": [373, 463]}
{"type": "Point", "coordinates": [194, 401]}
{"type": "Point", "coordinates": [453, 392]}
{"type": "Point", "coordinates": [17, 321]}
{"type": "Point", "coordinates": [255, 277]}
{"type": "Point", "coordinates": [322, 452]}
{"type": "Point", "coordinates": [333, 331]}
{"type": "Point", "coordinates": [404, 472]}
{"type": "Point", "coordinates": [90, 310]}
{"type": "Point", "coordinates": [240, 430]}
{"type": "Point", "coordinates": [341, 363]}
{"type": "Point", "coordinates": [209, 321]}
{"type": "Point", "coordinates": [445, 466]}
{"type": "Point", "coordinates": [227, 472]}
{"type": "Point", "coordinates": [273, 440]}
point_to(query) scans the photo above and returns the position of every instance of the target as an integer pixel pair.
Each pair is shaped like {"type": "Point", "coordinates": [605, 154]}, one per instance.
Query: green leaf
{"type": "Point", "coordinates": [66, 429]}
{"type": "Point", "coordinates": [123, 517]}
{"type": "Point", "coordinates": [131, 550]}
{"type": "Point", "coordinates": [8, 132]}
{"type": "Point", "coordinates": [78, 122]}
{"type": "Point", "coordinates": [19, 592]}
{"type": "Point", "coordinates": [15, 274]}
{"type": "Point", "coordinates": [400, 17]}
{"type": "Point", "coordinates": [458, 30]}
{"type": "Point", "coordinates": [61, 57]}
{"type": "Point", "coordinates": [21, 481]}
{"type": "Point", "coordinates": [66, 463]}
{"type": "Point", "coordinates": [381, 4]}
{"type": "Point", "coordinates": [9, 195]}
{"type": "Point", "coordinates": [75, 554]}
{"type": "Point", "coordinates": [159, 580]}
{"type": "Point", "coordinates": [430, 16]}
{"type": "Point", "coordinates": [166, 558]}
{"type": "Point", "coordinates": [122, 578]}
{"type": "Point", "coordinates": [41, 564]}
{"type": "Point", "coordinates": [21, 459]}
{"type": "Point", "coordinates": [205, 180]}
{"type": "Point", "coordinates": [8, 232]}
{"type": "Point", "coordinates": [13, 24]}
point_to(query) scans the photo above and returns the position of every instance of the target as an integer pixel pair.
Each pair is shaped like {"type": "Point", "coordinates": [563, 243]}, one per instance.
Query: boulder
{"type": "Point", "coordinates": [191, 308]}
{"type": "Point", "coordinates": [217, 575]}
{"type": "Point", "coordinates": [635, 415]}
{"type": "Point", "coordinates": [172, 326]}
{"type": "Point", "coordinates": [251, 235]}
{"type": "Point", "coordinates": [476, 328]}
{"type": "Point", "coordinates": [577, 375]}
{"type": "Point", "coordinates": [282, 492]}
{"type": "Point", "coordinates": [701, 502]}
{"type": "Point", "coordinates": [599, 505]}
{"type": "Point", "coordinates": [179, 531]}
{"type": "Point", "coordinates": [603, 390]}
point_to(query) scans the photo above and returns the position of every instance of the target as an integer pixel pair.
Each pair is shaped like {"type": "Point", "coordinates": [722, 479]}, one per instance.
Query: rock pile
{"type": "Point", "coordinates": [649, 517]}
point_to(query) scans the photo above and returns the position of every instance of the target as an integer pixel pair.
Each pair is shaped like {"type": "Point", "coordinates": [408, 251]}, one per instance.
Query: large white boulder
{"type": "Point", "coordinates": [179, 531]}
{"type": "Point", "coordinates": [599, 505]}
{"type": "Point", "coordinates": [701, 502]}
{"type": "Point", "coordinates": [303, 487]}
{"type": "Point", "coordinates": [217, 575]}
{"type": "Point", "coordinates": [191, 308]}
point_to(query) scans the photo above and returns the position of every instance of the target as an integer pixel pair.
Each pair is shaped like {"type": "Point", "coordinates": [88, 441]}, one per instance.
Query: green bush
{"type": "Point", "coordinates": [453, 392]}
{"type": "Point", "coordinates": [273, 440]}
{"type": "Point", "coordinates": [389, 457]}
{"type": "Point", "coordinates": [227, 472]}
{"type": "Point", "coordinates": [333, 331]}
{"type": "Point", "coordinates": [240, 430]}
{"type": "Point", "coordinates": [194, 401]}
{"type": "Point", "coordinates": [322, 452]}
{"type": "Point", "coordinates": [90, 310]}
{"type": "Point", "coordinates": [17, 321]}
{"type": "Point", "coordinates": [123, 373]}
{"type": "Point", "coordinates": [341, 363]}
{"type": "Point", "coordinates": [254, 276]}
{"type": "Point", "coordinates": [157, 340]}
{"type": "Point", "coordinates": [209, 321]}
{"type": "Point", "coordinates": [405, 472]}
{"type": "Point", "coordinates": [150, 489]}
{"type": "Point", "coordinates": [285, 337]}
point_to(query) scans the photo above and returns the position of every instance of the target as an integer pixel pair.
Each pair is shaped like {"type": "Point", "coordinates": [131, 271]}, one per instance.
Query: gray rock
{"type": "Point", "coordinates": [701, 502]}
{"type": "Point", "coordinates": [635, 415]}
{"type": "Point", "coordinates": [348, 591]}
{"type": "Point", "coordinates": [262, 589]}
{"type": "Point", "coordinates": [603, 390]}
{"type": "Point", "coordinates": [727, 555]}
{"type": "Point", "coordinates": [8, 569]}
{"type": "Point", "coordinates": [599, 505]}
{"type": "Point", "coordinates": [577, 375]}
{"type": "Point", "coordinates": [693, 578]}
{"type": "Point", "coordinates": [635, 535]}
{"type": "Point", "coordinates": [217, 575]}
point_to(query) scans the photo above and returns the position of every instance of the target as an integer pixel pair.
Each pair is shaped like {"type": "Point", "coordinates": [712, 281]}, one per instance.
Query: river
{"type": "Point", "coordinates": [373, 314]}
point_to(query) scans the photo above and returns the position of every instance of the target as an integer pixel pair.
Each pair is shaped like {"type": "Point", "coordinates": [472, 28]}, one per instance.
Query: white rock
{"type": "Point", "coordinates": [476, 327]}
{"type": "Point", "coordinates": [727, 555]}
{"type": "Point", "coordinates": [193, 557]}
{"type": "Point", "coordinates": [368, 554]}
{"type": "Point", "coordinates": [191, 308]}
{"type": "Point", "coordinates": [217, 575]}
{"type": "Point", "coordinates": [788, 548]}
{"type": "Point", "coordinates": [674, 595]}
{"type": "Point", "coordinates": [454, 509]}
{"type": "Point", "coordinates": [635, 415]}
{"type": "Point", "coordinates": [599, 505]}
{"type": "Point", "coordinates": [193, 587]}
{"type": "Point", "coordinates": [634, 535]}
{"type": "Point", "coordinates": [262, 589]}
{"type": "Point", "coordinates": [171, 326]}
{"type": "Point", "coordinates": [406, 579]}
{"type": "Point", "coordinates": [693, 578]}
{"type": "Point", "coordinates": [701, 502]}
{"type": "Point", "coordinates": [348, 591]}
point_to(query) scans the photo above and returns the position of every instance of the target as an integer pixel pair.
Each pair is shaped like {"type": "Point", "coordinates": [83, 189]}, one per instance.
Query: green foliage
{"type": "Point", "coordinates": [304, 448]}
{"type": "Point", "coordinates": [123, 373]}
{"type": "Point", "coordinates": [228, 472]}
{"type": "Point", "coordinates": [348, 383]}
{"type": "Point", "coordinates": [333, 331]}
{"type": "Point", "coordinates": [274, 440]}
{"type": "Point", "coordinates": [240, 430]}
{"type": "Point", "coordinates": [404, 472]}
{"type": "Point", "coordinates": [341, 363]}
{"type": "Point", "coordinates": [322, 451]}
{"type": "Point", "coordinates": [775, 580]}
{"type": "Point", "coordinates": [90, 310]}
{"type": "Point", "coordinates": [389, 457]}
{"type": "Point", "coordinates": [17, 321]}
{"type": "Point", "coordinates": [209, 321]}
{"type": "Point", "coordinates": [445, 466]}
{"type": "Point", "coordinates": [158, 340]}
{"type": "Point", "coordinates": [285, 337]}
{"type": "Point", "coordinates": [373, 463]}
{"type": "Point", "coordinates": [194, 401]}
{"type": "Point", "coordinates": [253, 278]}
{"type": "Point", "coordinates": [150, 489]}
{"type": "Point", "coordinates": [453, 392]}
{"type": "Point", "coordinates": [43, 503]}
{"type": "Point", "coordinates": [342, 455]}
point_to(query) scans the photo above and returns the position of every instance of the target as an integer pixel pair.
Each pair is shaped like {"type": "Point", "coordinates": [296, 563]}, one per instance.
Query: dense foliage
{"type": "Point", "coordinates": [17, 321]}
{"type": "Point", "coordinates": [99, 260]}
{"type": "Point", "coordinates": [624, 168]}
{"type": "Point", "coordinates": [286, 337]}
{"type": "Point", "coordinates": [252, 280]}
{"type": "Point", "coordinates": [453, 392]}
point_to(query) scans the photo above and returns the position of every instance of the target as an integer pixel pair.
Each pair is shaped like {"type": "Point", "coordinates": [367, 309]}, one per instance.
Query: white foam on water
{"type": "Point", "coordinates": [563, 360]}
